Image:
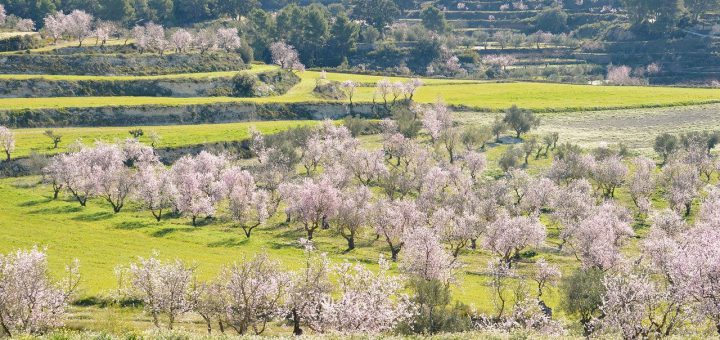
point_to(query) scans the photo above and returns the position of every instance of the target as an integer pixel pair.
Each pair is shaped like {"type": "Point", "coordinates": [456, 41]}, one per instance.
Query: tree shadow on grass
{"type": "Point", "coordinates": [98, 216]}
{"type": "Point", "coordinates": [33, 203]}
{"type": "Point", "coordinates": [229, 243]}
{"type": "Point", "coordinates": [279, 245]}
{"type": "Point", "coordinates": [128, 225]}
{"type": "Point", "coordinates": [293, 233]}
{"type": "Point", "coordinates": [65, 209]}
{"type": "Point", "coordinates": [169, 230]}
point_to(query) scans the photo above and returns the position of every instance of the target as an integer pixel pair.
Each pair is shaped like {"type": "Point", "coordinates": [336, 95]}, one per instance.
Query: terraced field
{"type": "Point", "coordinates": [542, 97]}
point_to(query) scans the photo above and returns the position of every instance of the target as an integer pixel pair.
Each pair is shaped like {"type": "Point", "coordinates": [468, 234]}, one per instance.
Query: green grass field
{"type": "Point", "coordinates": [102, 240]}
{"type": "Point", "coordinates": [33, 140]}
{"type": "Point", "coordinates": [471, 94]}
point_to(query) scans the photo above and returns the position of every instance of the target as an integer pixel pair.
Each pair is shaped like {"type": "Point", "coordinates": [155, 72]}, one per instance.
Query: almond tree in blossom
{"type": "Point", "coordinates": [163, 287]}
{"type": "Point", "coordinates": [349, 87]}
{"type": "Point", "coordinates": [255, 291]}
{"type": "Point", "coordinates": [368, 302]}
{"type": "Point", "coordinates": [7, 141]}
{"type": "Point", "coordinates": [182, 40]}
{"type": "Point", "coordinates": [103, 31]}
{"type": "Point", "coordinates": [571, 165]}
{"type": "Point", "coordinates": [408, 166]}
{"type": "Point", "coordinates": [682, 182]}
{"type": "Point", "coordinates": [425, 257]}
{"type": "Point", "coordinates": [475, 163]}
{"type": "Point", "coordinates": [313, 202]}
{"type": "Point", "coordinates": [393, 220]}
{"type": "Point", "coordinates": [209, 300]}
{"type": "Point", "coordinates": [78, 24]}
{"type": "Point", "coordinates": [597, 239]}
{"type": "Point", "coordinates": [540, 193]}
{"type": "Point", "coordinates": [206, 40]}
{"type": "Point", "coordinates": [383, 88]}
{"type": "Point", "coordinates": [573, 206]}
{"type": "Point", "coordinates": [507, 236]}
{"type": "Point", "coordinates": [155, 190]}
{"type": "Point", "coordinates": [30, 302]}
{"type": "Point", "coordinates": [367, 166]}
{"type": "Point", "coordinates": [456, 230]}
{"type": "Point", "coordinates": [228, 39]}
{"type": "Point", "coordinates": [286, 56]}
{"type": "Point", "coordinates": [436, 119]}
{"type": "Point", "coordinates": [248, 205]}
{"type": "Point", "coordinates": [72, 173]}
{"type": "Point", "coordinates": [54, 26]}
{"type": "Point", "coordinates": [630, 303]}
{"type": "Point", "coordinates": [353, 213]}
{"type": "Point", "coordinates": [310, 289]}
{"type": "Point", "coordinates": [198, 184]}
{"type": "Point", "coordinates": [113, 180]}
{"type": "Point", "coordinates": [150, 37]}
{"type": "Point", "coordinates": [25, 25]}
{"type": "Point", "coordinates": [545, 274]}
{"type": "Point", "coordinates": [642, 184]}
{"type": "Point", "coordinates": [411, 86]}
{"type": "Point", "coordinates": [609, 173]}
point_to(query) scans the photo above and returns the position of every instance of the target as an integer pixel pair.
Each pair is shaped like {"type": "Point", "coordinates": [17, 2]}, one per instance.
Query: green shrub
{"type": "Point", "coordinates": [244, 85]}
{"type": "Point", "coordinates": [582, 295]}
{"type": "Point", "coordinates": [436, 314]}
{"type": "Point", "coordinates": [408, 123]}
{"type": "Point", "coordinates": [552, 20]}
{"type": "Point", "coordinates": [329, 90]}
{"type": "Point", "coordinates": [359, 126]}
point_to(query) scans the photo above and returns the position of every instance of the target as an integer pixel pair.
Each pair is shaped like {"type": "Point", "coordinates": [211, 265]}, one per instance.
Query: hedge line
{"type": "Point", "coordinates": [187, 114]}
{"type": "Point", "coordinates": [280, 80]}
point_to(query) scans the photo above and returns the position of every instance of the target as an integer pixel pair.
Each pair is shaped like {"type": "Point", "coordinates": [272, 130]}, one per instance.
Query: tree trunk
{"type": "Point", "coordinates": [351, 242]}
{"type": "Point", "coordinates": [296, 323]}
{"type": "Point", "coordinates": [194, 219]}
{"type": "Point", "coordinates": [394, 254]}
{"type": "Point", "coordinates": [208, 323]}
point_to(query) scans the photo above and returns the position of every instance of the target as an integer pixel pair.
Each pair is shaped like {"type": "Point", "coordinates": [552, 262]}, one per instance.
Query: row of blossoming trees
{"type": "Point", "coordinates": [79, 25]}
{"type": "Point", "coordinates": [432, 204]}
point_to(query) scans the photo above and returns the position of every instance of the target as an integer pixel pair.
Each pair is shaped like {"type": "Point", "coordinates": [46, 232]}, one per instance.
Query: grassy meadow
{"type": "Point", "coordinates": [542, 97]}
{"type": "Point", "coordinates": [171, 136]}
